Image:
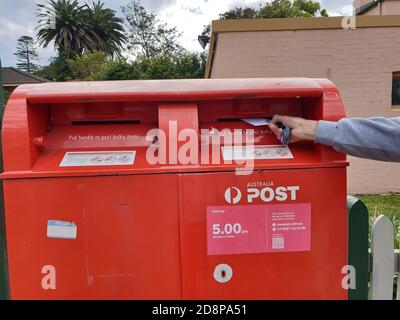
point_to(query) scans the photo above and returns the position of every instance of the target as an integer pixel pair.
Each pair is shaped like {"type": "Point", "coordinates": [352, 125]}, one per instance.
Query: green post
{"type": "Point", "coordinates": [358, 232]}
{"type": "Point", "coordinates": [4, 284]}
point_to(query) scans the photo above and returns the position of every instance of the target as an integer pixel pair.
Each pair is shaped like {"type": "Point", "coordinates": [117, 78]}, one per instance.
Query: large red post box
{"type": "Point", "coordinates": [90, 214]}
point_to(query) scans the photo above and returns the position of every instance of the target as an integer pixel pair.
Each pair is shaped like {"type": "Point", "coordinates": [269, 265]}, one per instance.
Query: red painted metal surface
{"type": "Point", "coordinates": [127, 244]}
{"type": "Point", "coordinates": [141, 228]}
{"type": "Point", "coordinates": [314, 274]}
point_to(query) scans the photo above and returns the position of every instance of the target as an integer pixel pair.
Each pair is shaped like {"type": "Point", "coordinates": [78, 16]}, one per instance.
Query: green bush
{"type": "Point", "coordinates": [6, 96]}
{"type": "Point", "coordinates": [96, 66]}
{"type": "Point", "coordinates": [185, 65]}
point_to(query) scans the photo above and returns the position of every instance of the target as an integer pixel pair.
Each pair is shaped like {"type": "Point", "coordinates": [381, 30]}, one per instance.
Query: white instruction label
{"type": "Point", "coordinates": [256, 152]}
{"type": "Point", "coordinates": [61, 229]}
{"type": "Point", "coordinates": [105, 158]}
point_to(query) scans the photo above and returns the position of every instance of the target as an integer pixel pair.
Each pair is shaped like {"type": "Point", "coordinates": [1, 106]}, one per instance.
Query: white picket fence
{"type": "Point", "coordinates": [384, 261]}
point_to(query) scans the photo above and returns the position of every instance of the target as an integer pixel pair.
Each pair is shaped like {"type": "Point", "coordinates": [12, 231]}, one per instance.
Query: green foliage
{"type": "Point", "coordinates": [57, 70]}
{"type": "Point", "coordinates": [324, 13]}
{"type": "Point", "coordinates": [191, 65]}
{"type": "Point", "coordinates": [273, 9]}
{"type": "Point", "coordinates": [120, 70]}
{"type": "Point", "coordinates": [71, 31]}
{"type": "Point", "coordinates": [388, 205]}
{"type": "Point", "coordinates": [89, 66]}
{"type": "Point", "coordinates": [291, 9]}
{"type": "Point", "coordinates": [157, 53]}
{"type": "Point", "coordinates": [185, 65]}
{"type": "Point", "coordinates": [6, 96]}
{"type": "Point", "coordinates": [147, 35]}
{"type": "Point", "coordinates": [74, 27]}
{"type": "Point", "coordinates": [107, 27]}
{"type": "Point", "coordinates": [277, 9]}
{"type": "Point", "coordinates": [96, 66]}
{"type": "Point", "coordinates": [26, 54]}
{"type": "Point", "coordinates": [239, 13]}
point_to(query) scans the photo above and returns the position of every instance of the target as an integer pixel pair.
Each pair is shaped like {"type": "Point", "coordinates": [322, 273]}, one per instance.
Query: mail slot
{"type": "Point", "coordinates": [171, 190]}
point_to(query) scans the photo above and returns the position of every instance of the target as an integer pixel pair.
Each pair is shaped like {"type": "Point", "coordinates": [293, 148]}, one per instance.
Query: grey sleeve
{"type": "Point", "coordinates": [374, 138]}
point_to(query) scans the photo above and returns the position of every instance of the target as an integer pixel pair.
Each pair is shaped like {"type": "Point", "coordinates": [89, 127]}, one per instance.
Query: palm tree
{"type": "Point", "coordinates": [75, 28]}
{"type": "Point", "coordinates": [107, 27]}
{"type": "Point", "coordinates": [65, 23]}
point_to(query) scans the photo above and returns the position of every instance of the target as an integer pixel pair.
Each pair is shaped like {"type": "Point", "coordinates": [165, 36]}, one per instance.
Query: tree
{"type": "Point", "coordinates": [291, 9]}
{"type": "Point", "coordinates": [108, 29]}
{"type": "Point", "coordinates": [79, 27]}
{"type": "Point", "coordinates": [274, 9]}
{"type": "Point", "coordinates": [26, 54]}
{"type": "Point", "coordinates": [57, 70]}
{"type": "Point", "coordinates": [120, 70]}
{"type": "Point", "coordinates": [89, 66]}
{"type": "Point", "coordinates": [71, 31]}
{"type": "Point", "coordinates": [191, 65]}
{"type": "Point", "coordinates": [239, 13]}
{"type": "Point", "coordinates": [148, 36]}
{"type": "Point", "coordinates": [96, 66]}
{"type": "Point", "coordinates": [184, 65]}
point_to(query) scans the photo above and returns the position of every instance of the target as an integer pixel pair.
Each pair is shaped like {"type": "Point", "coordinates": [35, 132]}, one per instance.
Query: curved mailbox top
{"type": "Point", "coordinates": [167, 90]}
{"type": "Point", "coordinates": [46, 126]}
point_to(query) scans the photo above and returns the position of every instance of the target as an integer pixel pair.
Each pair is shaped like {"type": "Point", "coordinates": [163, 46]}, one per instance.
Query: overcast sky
{"type": "Point", "coordinates": [18, 17]}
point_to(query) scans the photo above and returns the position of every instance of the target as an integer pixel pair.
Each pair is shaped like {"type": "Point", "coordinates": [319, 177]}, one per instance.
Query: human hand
{"type": "Point", "coordinates": [301, 129]}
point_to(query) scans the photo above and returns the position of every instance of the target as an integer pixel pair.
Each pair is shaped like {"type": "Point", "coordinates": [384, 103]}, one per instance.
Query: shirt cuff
{"type": "Point", "coordinates": [327, 132]}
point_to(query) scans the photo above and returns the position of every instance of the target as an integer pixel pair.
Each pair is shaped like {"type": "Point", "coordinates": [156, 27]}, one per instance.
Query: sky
{"type": "Point", "coordinates": [18, 17]}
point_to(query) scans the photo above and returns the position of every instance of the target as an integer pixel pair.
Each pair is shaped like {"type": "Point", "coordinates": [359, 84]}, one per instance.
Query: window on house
{"type": "Point", "coordinates": [396, 90]}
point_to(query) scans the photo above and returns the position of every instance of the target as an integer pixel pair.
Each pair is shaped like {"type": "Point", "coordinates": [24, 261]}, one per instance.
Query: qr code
{"type": "Point", "coordinates": [278, 243]}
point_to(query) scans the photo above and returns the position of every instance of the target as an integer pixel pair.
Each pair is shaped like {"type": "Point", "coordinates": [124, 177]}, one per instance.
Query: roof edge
{"type": "Point", "coordinates": [368, 6]}
{"type": "Point", "coordinates": [243, 25]}
{"type": "Point", "coordinates": [27, 74]}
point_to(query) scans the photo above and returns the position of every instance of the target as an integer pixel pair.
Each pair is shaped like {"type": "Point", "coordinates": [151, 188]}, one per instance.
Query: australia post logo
{"type": "Point", "coordinates": [233, 195]}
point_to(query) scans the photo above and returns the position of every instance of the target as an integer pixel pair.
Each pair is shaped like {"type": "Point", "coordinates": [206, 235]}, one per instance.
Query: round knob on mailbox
{"type": "Point", "coordinates": [40, 141]}
{"type": "Point", "coordinates": [223, 273]}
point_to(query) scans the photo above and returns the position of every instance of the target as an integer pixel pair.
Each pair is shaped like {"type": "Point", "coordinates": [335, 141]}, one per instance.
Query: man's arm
{"type": "Point", "coordinates": [374, 138]}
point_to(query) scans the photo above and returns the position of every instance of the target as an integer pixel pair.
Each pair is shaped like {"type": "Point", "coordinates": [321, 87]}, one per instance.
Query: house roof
{"type": "Point", "coordinates": [291, 24]}
{"type": "Point", "coordinates": [14, 77]}
{"type": "Point", "coordinates": [368, 6]}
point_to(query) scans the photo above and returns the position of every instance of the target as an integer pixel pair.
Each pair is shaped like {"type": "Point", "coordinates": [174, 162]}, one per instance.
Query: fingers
{"type": "Point", "coordinates": [302, 129]}
{"type": "Point", "coordinates": [277, 131]}
{"type": "Point", "coordinates": [287, 121]}
{"type": "Point", "coordinates": [276, 118]}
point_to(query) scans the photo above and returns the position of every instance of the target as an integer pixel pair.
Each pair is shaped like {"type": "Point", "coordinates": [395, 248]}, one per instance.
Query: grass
{"type": "Point", "coordinates": [388, 205]}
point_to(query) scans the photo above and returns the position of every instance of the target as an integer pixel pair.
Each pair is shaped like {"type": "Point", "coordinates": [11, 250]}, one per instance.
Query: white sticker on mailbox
{"type": "Point", "coordinates": [61, 229]}
{"type": "Point", "coordinates": [256, 152]}
{"type": "Point", "coordinates": [105, 158]}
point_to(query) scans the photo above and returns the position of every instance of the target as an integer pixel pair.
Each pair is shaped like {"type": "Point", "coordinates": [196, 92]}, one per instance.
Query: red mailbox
{"type": "Point", "coordinates": [106, 199]}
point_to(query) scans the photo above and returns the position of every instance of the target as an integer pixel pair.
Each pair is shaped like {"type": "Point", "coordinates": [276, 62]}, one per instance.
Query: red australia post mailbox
{"type": "Point", "coordinates": [172, 190]}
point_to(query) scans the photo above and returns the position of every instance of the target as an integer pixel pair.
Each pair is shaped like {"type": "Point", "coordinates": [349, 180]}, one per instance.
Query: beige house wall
{"type": "Point", "coordinates": [376, 11]}
{"type": "Point", "coordinates": [391, 7]}
{"type": "Point", "coordinates": [360, 62]}
{"type": "Point", "coordinates": [387, 7]}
